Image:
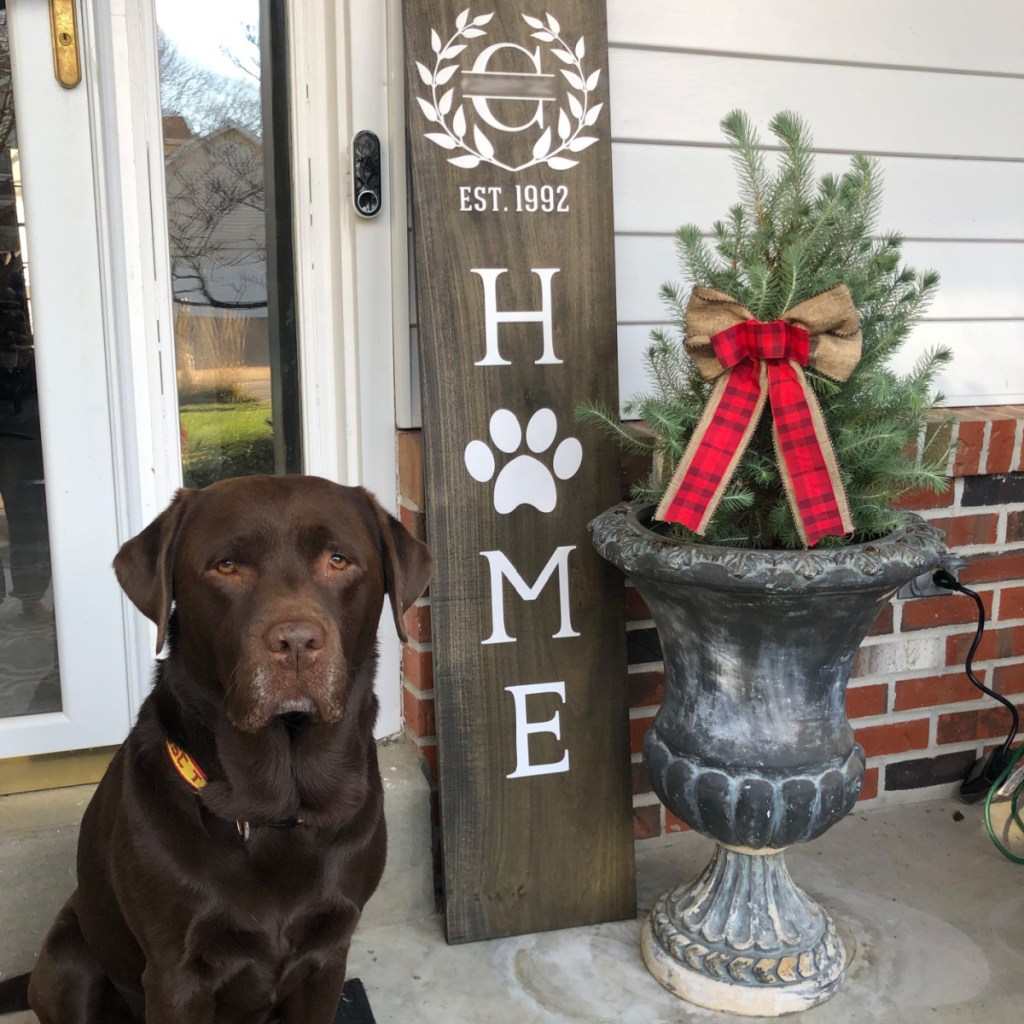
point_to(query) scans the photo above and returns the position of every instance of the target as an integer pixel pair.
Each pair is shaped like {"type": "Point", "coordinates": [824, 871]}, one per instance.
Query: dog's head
{"type": "Point", "coordinates": [276, 584]}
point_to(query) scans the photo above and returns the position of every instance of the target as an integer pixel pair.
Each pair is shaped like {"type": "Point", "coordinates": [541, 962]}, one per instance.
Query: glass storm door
{"type": "Point", "coordinates": [63, 664]}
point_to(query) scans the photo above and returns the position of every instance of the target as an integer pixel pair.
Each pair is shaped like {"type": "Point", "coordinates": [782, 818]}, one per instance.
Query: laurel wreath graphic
{"type": "Point", "coordinates": [550, 147]}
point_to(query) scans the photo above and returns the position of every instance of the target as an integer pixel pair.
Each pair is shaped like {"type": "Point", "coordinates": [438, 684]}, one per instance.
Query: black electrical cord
{"type": "Point", "coordinates": [989, 776]}
{"type": "Point", "coordinates": [948, 581]}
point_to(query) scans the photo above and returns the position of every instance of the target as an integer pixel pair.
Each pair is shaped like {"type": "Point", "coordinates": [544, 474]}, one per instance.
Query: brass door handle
{"type": "Point", "coordinates": [64, 35]}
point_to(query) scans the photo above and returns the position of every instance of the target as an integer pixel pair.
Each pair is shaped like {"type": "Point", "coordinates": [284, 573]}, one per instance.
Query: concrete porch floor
{"type": "Point", "coordinates": [932, 917]}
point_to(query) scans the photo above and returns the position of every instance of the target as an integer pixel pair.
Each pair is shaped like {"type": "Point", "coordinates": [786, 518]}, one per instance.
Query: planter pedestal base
{"type": "Point", "coordinates": [744, 939]}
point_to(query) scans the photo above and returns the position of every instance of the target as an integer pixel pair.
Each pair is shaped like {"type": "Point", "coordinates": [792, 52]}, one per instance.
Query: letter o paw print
{"type": "Point", "coordinates": [525, 480]}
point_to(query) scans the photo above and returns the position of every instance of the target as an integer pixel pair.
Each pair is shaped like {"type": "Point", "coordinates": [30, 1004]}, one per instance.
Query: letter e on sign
{"type": "Point", "coordinates": [525, 728]}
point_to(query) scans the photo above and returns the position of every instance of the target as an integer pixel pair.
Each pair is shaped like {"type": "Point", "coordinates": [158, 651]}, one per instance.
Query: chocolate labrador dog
{"type": "Point", "coordinates": [226, 856]}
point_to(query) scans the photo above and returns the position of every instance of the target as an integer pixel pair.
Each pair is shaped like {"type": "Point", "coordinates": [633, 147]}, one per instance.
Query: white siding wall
{"type": "Point", "coordinates": [933, 88]}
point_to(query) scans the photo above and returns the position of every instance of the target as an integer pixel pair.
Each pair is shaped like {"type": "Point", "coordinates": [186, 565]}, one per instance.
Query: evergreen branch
{"type": "Point", "coordinates": [791, 236]}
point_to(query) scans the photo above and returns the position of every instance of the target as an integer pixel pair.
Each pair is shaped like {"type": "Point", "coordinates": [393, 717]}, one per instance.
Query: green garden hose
{"type": "Point", "coordinates": [1012, 779]}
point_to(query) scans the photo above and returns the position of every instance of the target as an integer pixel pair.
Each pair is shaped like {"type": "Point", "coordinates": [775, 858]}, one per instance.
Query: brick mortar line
{"type": "Point", "coordinates": [949, 512]}
{"type": "Point", "coordinates": [633, 625]}
{"type": "Point", "coordinates": [897, 619]}
{"type": "Point", "coordinates": [912, 675]}
{"type": "Point", "coordinates": [639, 801]}
{"type": "Point", "coordinates": [636, 668]}
{"type": "Point", "coordinates": [995, 589]}
{"type": "Point", "coordinates": [418, 694]}
{"type": "Point", "coordinates": [958, 746]}
{"type": "Point", "coordinates": [645, 711]}
{"type": "Point", "coordinates": [960, 628]}
{"type": "Point", "coordinates": [1018, 444]}
{"type": "Point", "coordinates": [986, 439]}
{"type": "Point", "coordinates": [983, 549]}
{"type": "Point", "coordinates": [420, 648]}
{"type": "Point", "coordinates": [894, 717]}
{"type": "Point", "coordinates": [954, 437]}
{"type": "Point", "coordinates": [898, 797]}
{"type": "Point", "coordinates": [892, 677]}
{"type": "Point", "coordinates": [931, 712]}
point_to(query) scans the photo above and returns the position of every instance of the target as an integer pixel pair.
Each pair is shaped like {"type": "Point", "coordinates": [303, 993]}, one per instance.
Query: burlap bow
{"type": "Point", "coordinates": [755, 362]}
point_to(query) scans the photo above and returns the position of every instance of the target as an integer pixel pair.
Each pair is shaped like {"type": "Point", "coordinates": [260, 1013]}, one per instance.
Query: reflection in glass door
{"type": "Point", "coordinates": [29, 675]}
{"type": "Point", "coordinates": [223, 94]}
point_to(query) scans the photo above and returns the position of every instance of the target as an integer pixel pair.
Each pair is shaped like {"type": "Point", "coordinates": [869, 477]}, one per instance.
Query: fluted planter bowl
{"type": "Point", "coordinates": [752, 746]}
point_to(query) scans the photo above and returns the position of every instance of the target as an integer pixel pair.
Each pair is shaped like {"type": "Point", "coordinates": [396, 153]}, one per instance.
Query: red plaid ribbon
{"type": "Point", "coordinates": [762, 360]}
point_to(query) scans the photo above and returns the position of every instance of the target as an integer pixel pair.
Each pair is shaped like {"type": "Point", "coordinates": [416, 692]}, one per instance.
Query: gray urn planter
{"type": "Point", "coordinates": [752, 746]}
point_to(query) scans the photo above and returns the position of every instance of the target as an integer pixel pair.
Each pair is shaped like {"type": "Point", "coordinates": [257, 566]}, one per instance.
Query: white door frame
{"type": "Point", "coordinates": [345, 272]}
{"type": "Point", "coordinates": [345, 267]}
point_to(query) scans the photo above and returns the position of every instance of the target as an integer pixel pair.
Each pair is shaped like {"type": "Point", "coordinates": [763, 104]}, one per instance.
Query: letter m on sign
{"type": "Point", "coordinates": [502, 569]}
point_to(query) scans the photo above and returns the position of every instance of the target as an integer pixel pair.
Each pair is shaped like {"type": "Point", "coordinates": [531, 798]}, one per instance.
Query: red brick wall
{"type": "Point", "coordinates": [920, 721]}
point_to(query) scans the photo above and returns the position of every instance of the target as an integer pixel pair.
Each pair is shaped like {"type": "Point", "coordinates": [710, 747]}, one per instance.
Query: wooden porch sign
{"type": "Point", "coordinates": [508, 129]}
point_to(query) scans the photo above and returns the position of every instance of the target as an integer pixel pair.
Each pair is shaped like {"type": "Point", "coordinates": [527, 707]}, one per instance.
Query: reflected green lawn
{"type": "Point", "coordinates": [225, 439]}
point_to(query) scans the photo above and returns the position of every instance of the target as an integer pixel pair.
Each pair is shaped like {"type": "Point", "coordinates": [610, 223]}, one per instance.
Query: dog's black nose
{"type": "Point", "coordinates": [295, 641]}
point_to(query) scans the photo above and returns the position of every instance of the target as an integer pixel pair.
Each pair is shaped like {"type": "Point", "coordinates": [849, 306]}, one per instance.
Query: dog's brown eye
{"type": "Point", "coordinates": [339, 562]}
{"type": "Point", "coordinates": [226, 567]}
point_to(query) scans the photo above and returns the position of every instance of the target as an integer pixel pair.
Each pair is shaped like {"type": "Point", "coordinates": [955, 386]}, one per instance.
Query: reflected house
{"type": "Point", "coordinates": [218, 260]}
{"type": "Point", "coordinates": [217, 235]}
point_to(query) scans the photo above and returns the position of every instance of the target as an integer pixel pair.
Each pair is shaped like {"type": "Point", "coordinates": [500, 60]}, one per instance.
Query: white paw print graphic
{"type": "Point", "coordinates": [525, 480]}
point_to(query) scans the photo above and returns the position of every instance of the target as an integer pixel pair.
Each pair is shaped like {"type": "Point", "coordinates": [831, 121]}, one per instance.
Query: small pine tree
{"type": "Point", "coordinates": [793, 236]}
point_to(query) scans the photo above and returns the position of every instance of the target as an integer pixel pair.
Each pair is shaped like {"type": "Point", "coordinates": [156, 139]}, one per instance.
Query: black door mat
{"type": "Point", "coordinates": [354, 1007]}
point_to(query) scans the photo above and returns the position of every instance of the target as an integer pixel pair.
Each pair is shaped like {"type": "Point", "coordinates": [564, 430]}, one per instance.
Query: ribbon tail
{"type": "Point", "coordinates": [807, 460]}
{"type": "Point", "coordinates": [715, 449]}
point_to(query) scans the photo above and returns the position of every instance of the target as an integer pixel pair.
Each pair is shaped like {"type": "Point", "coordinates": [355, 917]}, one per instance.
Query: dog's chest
{"type": "Point", "coordinates": [270, 932]}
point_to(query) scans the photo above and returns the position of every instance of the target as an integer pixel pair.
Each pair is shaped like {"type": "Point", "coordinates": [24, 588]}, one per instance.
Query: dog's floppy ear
{"type": "Point", "coordinates": [407, 564]}
{"type": "Point", "coordinates": [144, 564]}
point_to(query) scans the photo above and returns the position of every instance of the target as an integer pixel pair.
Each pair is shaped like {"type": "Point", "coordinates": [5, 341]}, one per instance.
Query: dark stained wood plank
{"type": "Point", "coordinates": [536, 827]}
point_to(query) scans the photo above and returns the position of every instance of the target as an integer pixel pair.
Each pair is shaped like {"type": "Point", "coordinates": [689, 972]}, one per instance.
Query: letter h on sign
{"type": "Point", "coordinates": [492, 317]}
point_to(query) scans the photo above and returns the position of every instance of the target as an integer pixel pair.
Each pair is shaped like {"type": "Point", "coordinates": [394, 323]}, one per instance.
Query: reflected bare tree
{"type": "Point", "coordinates": [206, 99]}
{"type": "Point", "coordinates": [215, 219]}
{"type": "Point", "coordinates": [215, 178]}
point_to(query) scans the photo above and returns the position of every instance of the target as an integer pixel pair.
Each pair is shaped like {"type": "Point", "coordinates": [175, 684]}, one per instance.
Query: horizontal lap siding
{"type": "Point", "coordinates": [925, 197]}
{"type": "Point", "coordinates": [976, 276]}
{"type": "Point", "coordinates": [931, 95]}
{"type": "Point", "coordinates": [910, 33]}
{"type": "Point", "coordinates": [679, 98]}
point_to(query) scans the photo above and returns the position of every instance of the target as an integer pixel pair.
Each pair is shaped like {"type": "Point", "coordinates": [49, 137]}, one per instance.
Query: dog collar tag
{"type": "Point", "coordinates": [187, 768]}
